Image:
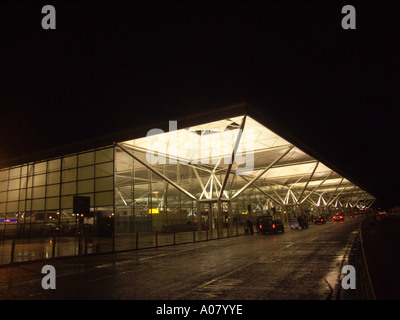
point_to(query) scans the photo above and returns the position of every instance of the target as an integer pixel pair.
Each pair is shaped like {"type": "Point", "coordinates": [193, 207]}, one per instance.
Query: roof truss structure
{"type": "Point", "coordinates": [219, 160]}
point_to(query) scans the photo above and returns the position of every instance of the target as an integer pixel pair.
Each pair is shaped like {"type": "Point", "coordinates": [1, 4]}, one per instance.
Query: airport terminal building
{"type": "Point", "coordinates": [208, 171]}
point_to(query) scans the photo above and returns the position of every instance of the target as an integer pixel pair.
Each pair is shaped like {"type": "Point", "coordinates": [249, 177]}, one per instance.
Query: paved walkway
{"type": "Point", "coordinates": [36, 249]}
{"type": "Point", "coordinates": [294, 265]}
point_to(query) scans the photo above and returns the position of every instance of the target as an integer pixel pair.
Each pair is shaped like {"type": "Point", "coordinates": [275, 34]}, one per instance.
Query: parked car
{"type": "Point", "coordinates": [270, 225]}
{"type": "Point", "coordinates": [294, 224]}
{"type": "Point", "coordinates": [338, 217]}
{"type": "Point", "coordinates": [298, 223]}
{"type": "Point", "coordinates": [319, 220]}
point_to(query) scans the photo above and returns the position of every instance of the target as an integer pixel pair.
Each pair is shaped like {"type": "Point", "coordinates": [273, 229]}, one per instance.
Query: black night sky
{"type": "Point", "coordinates": [110, 66]}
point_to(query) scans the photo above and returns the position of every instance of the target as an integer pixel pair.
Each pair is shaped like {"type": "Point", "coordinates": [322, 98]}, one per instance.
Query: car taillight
{"type": "Point", "coordinates": [322, 219]}
{"type": "Point", "coordinates": [260, 226]}
{"type": "Point", "coordinates": [273, 226]}
{"type": "Point", "coordinates": [341, 217]}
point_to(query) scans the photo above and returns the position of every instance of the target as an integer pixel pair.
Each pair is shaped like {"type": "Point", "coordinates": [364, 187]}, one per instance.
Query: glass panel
{"type": "Point", "coordinates": [38, 192]}
{"type": "Point", "coordinates": [3, 196]}
{"type": "Point", "coordinates": [104, 155]}
{"type": "Point", "coordinates": [37, 204]}
{"type": "Point", "coordinates": [24, 171]}
{"type": "Point", "coordinates": [104, 198]}
{"type": "Point", "coordinates": [13, 195]}
{"type": "Point", "coordinates": [85, 159]}
{"type": "Point", "coordinates": [69, 162]}
{"type": "Point", "coordinates": [53, 190]}
{"type": "Point", "coordinates": [69, 175]}
{"type": "Point", "coordinates": [15, 173]}
{"type": "Point", "coordinates": [40, 167]}
{"type": "Point", "coordinates": [13, 184]}
{"type": "Point", "coordinates": [124, 218]}
{"type": "Point", "coordinates": [23, 182]}
{"type": "Point", "coordinates": [28, 205]}
{"type": "Point", "coordinates": [54, 165]}
{"type": "Point", "coordinates": [28, 193]}
{"type": "Point", "coordinates": [86, 173]}
{"type": "Point", "coordinates": [103, 184]}
{"type": "Point", "coordinates": [85, 186]}
{"type": "Point", "coordinates": [52, 203]}
{"type": "Point", "coordinates": [3, 185]}
{"type": "Point", "coordinates": [29, 180]}
{"type": "Point", "coordinates": [67, 202]}
{"type": "Point", "coordinates": [53, 177]}
{"type": "Point", "coordinates": [104, 169]}
{"type": "Point", "coordinates": [39, 180]}
{"type": "Point", "coordinates": [68, 188]}
{"type": "Point", "coordinates": [4, 175]}
{"type": "Point", "coordinates": [21, 205]}
{"type": "Point", "coordinates": [12, 206]}
{"type": "Point", "coordinates": [22, 194]}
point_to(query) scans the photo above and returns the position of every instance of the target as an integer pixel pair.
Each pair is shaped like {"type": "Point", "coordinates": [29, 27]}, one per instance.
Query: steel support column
{"type": "Point", "coordinates": [317, 187]}
{"type": "Point", "coordinates": [228, 171]}
{"type": "Point", "coordinates": [308, 181]}
{"type": "Point", "coordinates": [262, 172]}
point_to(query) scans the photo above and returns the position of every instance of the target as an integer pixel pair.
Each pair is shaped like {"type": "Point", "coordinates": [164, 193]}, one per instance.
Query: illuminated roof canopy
{"type": "Point", "coordinates": [222, 159]}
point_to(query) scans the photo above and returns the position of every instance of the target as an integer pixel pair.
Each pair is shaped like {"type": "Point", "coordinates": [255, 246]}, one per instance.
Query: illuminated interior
{"type": "Point", "coordinates": [282, 177]}
{"type": "Point", "coordinates": [182, 178]}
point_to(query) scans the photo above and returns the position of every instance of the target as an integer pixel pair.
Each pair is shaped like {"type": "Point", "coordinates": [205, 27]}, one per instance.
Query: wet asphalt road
{"type": "Point", "coordinates": [298, 264]}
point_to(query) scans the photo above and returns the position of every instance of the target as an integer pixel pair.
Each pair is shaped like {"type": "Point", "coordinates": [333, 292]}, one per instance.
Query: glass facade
{"type": "Point", "coordinates": [145, 202]}
{"type": "Point", "coordinates": [175, 181]}
{"type": "Point", "coordinates": [36, 198]}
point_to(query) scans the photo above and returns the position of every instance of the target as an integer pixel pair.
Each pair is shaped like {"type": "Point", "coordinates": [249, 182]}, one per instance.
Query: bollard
{"type": "Point", "coordinates": [156, 239]}
{"type": "Point", "coordinates": [174, 238]}
{"type": "Point", "coordinates": [194, 236]}
{"type": "Point", "coordinates": [137, 240]}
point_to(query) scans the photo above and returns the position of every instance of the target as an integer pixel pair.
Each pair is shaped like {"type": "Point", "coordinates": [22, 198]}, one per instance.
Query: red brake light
{"type": "Point", "coordinates": [341, 217]}
{"type": "Point", "coordinates": [273, 226]}
{"type": "Point", "coordinates": [260, 226]}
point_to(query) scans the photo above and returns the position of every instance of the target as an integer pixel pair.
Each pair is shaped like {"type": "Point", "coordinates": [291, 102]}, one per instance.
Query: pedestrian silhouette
{"type": "Point", "coordinates": [249, 227]}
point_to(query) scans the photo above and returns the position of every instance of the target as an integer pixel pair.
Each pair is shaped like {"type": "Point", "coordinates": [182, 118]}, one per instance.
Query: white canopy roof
{"type": "Point", "coordinates": [261, 159]}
